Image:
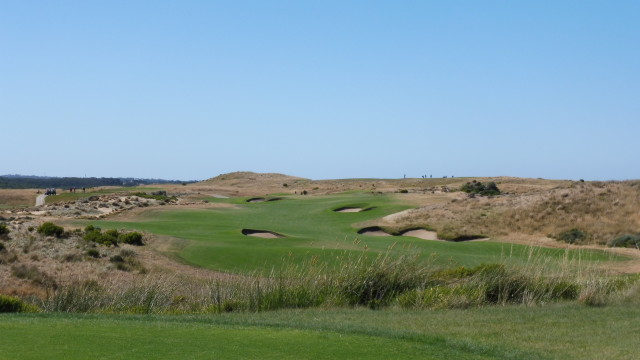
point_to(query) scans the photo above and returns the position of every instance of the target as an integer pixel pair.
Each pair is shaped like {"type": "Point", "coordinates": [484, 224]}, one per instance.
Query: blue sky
{"type": "Point", "coordinates": [322, 89]}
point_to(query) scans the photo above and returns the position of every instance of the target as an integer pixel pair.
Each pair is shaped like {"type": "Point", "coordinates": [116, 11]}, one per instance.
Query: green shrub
{"type": "Point", "coordinates": [10, 304]}
{"type": "Point", "coordinates": [572, 236]}
{"type": "Point", "coordinates": [4, 231]}
{"type": "Point", "coordinates": [132, 238]}
{"type": "Point", "coordinates": [98, 237]}
{"type": "Point", "coordinates": [476, 187]}
{"type": "Point", "coordinates": [157, 195]}
{"type": "Point", "coordinates": [627, 240]}
{"type": "Point", "coordinates": [93, 253]}
{"type": "Point", "coordinates": [51, 229]}
{"type": "Point", "coordinates": [403, 191]}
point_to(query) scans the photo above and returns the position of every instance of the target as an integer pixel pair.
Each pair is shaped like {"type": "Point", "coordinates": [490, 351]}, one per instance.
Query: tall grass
{"type": "Point", "coordinates": [405, 281]}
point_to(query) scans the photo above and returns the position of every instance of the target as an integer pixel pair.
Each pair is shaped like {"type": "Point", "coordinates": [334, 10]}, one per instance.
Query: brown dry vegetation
{"type": "Point", "coordinates": [11, 198]}
{"type": "Point", "coordinates": [604, 210]}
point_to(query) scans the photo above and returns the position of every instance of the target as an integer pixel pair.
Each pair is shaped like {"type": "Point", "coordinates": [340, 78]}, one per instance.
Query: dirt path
{"type": "Point", "coordinates": [40, 200]}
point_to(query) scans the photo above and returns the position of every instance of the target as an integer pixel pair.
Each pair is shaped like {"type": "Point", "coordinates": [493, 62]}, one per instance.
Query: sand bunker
{"type": "Point", "coordinates": [421, 234]}
{"type": "Point", "coordinates": [348, 209]}
{"type": "Point", "coordinates": [265, 234]}
{"type": "Point", "coordinates": [373, 231]}
{"type": "Point", "coordinates": [259, 199]}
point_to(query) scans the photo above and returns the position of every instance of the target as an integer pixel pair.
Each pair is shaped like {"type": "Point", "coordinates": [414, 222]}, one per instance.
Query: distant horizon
{"type": "Point", "coordinates": [296, 175]}
{"type": "Point", "coordinates": [324, 90]}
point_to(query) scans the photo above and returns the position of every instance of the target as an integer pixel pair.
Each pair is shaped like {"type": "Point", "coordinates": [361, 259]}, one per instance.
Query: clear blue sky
{"type": "Point", "coordinates": [320, 89]}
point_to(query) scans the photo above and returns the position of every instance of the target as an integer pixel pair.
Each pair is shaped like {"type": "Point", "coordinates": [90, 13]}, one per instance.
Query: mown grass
{"type": "Point", "coordinates": [311, 228]}
{"type": "Point", "coordinates": [507, 332]}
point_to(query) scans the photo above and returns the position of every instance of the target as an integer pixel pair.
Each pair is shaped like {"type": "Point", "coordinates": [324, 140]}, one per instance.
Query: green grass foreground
{"type": "Point", "coordinates": [560, 331]}
{"type": "Point", "coordinates": [212, 238]}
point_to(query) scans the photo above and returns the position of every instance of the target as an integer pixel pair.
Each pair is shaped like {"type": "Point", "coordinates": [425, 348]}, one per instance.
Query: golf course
{"type": "Point", "coordinates": [269, 266]}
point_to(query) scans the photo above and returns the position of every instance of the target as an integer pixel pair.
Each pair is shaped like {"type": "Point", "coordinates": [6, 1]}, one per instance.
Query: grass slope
{"type": "Point", "coordinates": [313, 231]}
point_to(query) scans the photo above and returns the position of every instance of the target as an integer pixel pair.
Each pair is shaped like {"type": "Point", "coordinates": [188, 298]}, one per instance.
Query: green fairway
{"type": "Point", "coordinates": [513, 332]}
{"type": "Point", "coordinates": [312, 230]}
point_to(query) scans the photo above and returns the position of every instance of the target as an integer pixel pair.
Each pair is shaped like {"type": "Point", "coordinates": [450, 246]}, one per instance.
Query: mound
{"type": "Point", "coordinates": [373, 231]}
{"type": "Point", "coordinates": [252, 176]}
{"type": "Point", "coordinates": [262, 234]}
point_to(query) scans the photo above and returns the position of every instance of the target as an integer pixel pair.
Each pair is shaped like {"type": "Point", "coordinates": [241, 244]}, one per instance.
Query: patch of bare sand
{"type": "Point", "coordinates": [349, 210]}
{"type": "Point", "coordinates": [265, 234]}
{"type": "Point", "coordinates": [374, 232]}
{"type": "Point", "coordinates": [422, 234]}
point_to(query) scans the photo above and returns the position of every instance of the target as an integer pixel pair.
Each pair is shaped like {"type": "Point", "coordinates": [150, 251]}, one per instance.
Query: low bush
{"type": "Point", "coordinates": [10, 304]}
{"type": "Point", "coordinates": [96, 236]}
{"type": "Point", "coordinates": [51, 229]}
{"type": "Point", "coordinates": [132, 238]}
{"type": "Point", "coordinates": [4, 231]}
{"type": "Point", "coordinates": [627, 240]}
{"type": "Point", "coordinates": [476, 187]}
{"type": "Point", "coordinates": [572, 236]}
{"type": "Point", "coordinates": [93, 253]}
{"type": "Point", "coordinates": [156, 195]}
{"type": "Point", "coordinates": [112, 237]}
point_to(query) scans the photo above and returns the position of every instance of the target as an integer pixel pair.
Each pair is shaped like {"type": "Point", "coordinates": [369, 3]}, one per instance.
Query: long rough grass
{"type": "Point", "coordinates": [602, 210]}
{"type": "Point", "coordinates": [357, 280]}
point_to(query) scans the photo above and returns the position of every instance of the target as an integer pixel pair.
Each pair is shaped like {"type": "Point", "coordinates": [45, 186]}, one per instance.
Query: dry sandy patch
{"type": "Point", "coordinates": [421, 234]}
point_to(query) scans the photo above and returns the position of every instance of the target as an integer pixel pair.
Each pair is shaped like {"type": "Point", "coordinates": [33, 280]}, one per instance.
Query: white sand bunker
{"type": "Point", "coordinates": [265, 234]}
{"type": "Point", "coordinates": [349, 209]}
{"type": "Point", "coordinates": [421, 234]}
{"type": "Point", "coordinates": [373, 231]}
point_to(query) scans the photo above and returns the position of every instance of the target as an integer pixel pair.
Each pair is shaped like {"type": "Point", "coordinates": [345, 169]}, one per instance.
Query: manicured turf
{"type": "Point", "coordinates": [312, 229]}
{"type": "Point", "coordinates": [552, 332]}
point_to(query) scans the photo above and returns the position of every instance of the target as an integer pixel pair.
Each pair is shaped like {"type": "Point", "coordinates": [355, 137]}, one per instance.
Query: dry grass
{"type": "Point", "coordinates": [604, 210]}
{"type": "Point", "coordinates": [14, 198]}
